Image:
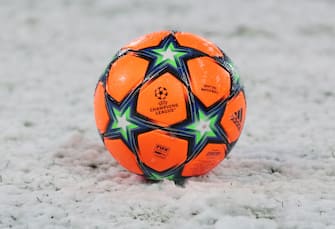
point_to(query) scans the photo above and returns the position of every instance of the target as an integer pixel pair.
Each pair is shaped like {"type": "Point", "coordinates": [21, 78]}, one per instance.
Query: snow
{"type": "Point", "coordinates": [55, 172]}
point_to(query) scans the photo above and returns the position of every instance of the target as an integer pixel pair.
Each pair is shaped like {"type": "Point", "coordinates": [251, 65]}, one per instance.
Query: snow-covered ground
{"type": "Point", "coordinates": [55, 172]}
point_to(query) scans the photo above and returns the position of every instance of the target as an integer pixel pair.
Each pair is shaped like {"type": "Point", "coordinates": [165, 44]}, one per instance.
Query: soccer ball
{"type": "Point", "coordinates": [170, 105]}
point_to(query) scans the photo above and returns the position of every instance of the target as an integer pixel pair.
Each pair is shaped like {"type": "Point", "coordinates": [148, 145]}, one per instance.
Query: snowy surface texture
{"type": "Point", "coordinates": [55, 172]}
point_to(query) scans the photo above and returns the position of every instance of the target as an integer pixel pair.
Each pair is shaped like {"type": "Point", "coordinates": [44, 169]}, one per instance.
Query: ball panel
{"type": "Point", "coordinates": [163, 100]}
{"type": "Point", "coordinates": [125, 74]}
{"type": "Point", "coordinates": [146, 41]}
{"type": "Point", "coordinates": [207, 159]}
{"type": "Point", "coordinates": [161, 151]}
{"type": "Point", "coordinates": [196, 42]}
{"type": "Point", "coordinates": [209, 81]}
{"type": "Point", "coordinates": [100, 111]}
{"type": "Point", "coordinates": [234, 117]}
{"type": "Point", "coordinates": [123, 155]}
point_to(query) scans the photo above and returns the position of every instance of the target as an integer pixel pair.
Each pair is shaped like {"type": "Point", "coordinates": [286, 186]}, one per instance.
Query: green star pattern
{"type": "Point", "coordinates": [203, 127]}
{"type": "Point", "coordinates": [169, 54]}
{"type": "Point", "coordinates": [122, 123]}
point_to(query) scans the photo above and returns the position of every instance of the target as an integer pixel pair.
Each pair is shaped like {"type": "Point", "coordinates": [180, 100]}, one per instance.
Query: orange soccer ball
{"type": "Point", "coordinates": [169, 105]}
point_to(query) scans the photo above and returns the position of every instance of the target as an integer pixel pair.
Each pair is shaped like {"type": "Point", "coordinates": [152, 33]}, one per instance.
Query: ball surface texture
{"type": "Point", "coordinates": [170, 105]}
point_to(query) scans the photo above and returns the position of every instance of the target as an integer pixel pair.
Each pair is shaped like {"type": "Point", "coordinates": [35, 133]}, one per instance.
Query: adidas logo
{"type": "Point", "coordinates": [236, 118]}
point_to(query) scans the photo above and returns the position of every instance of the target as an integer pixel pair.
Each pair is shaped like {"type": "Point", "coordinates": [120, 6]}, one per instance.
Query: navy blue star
{"type": "Point", "coordinates": [203, 127]}
{"type": "Point", "coordinates": [169, 56]}
{"type": "Point", "coordinates": [123, 124]}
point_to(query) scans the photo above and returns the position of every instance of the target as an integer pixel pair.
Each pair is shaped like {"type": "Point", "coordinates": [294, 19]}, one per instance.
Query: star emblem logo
{"type": "Point", "coordinates": [205, 127]}
{"type": "Point", "coordinates": [169, 56]}
{"type": "Point", "coordinates": [121, 125]}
